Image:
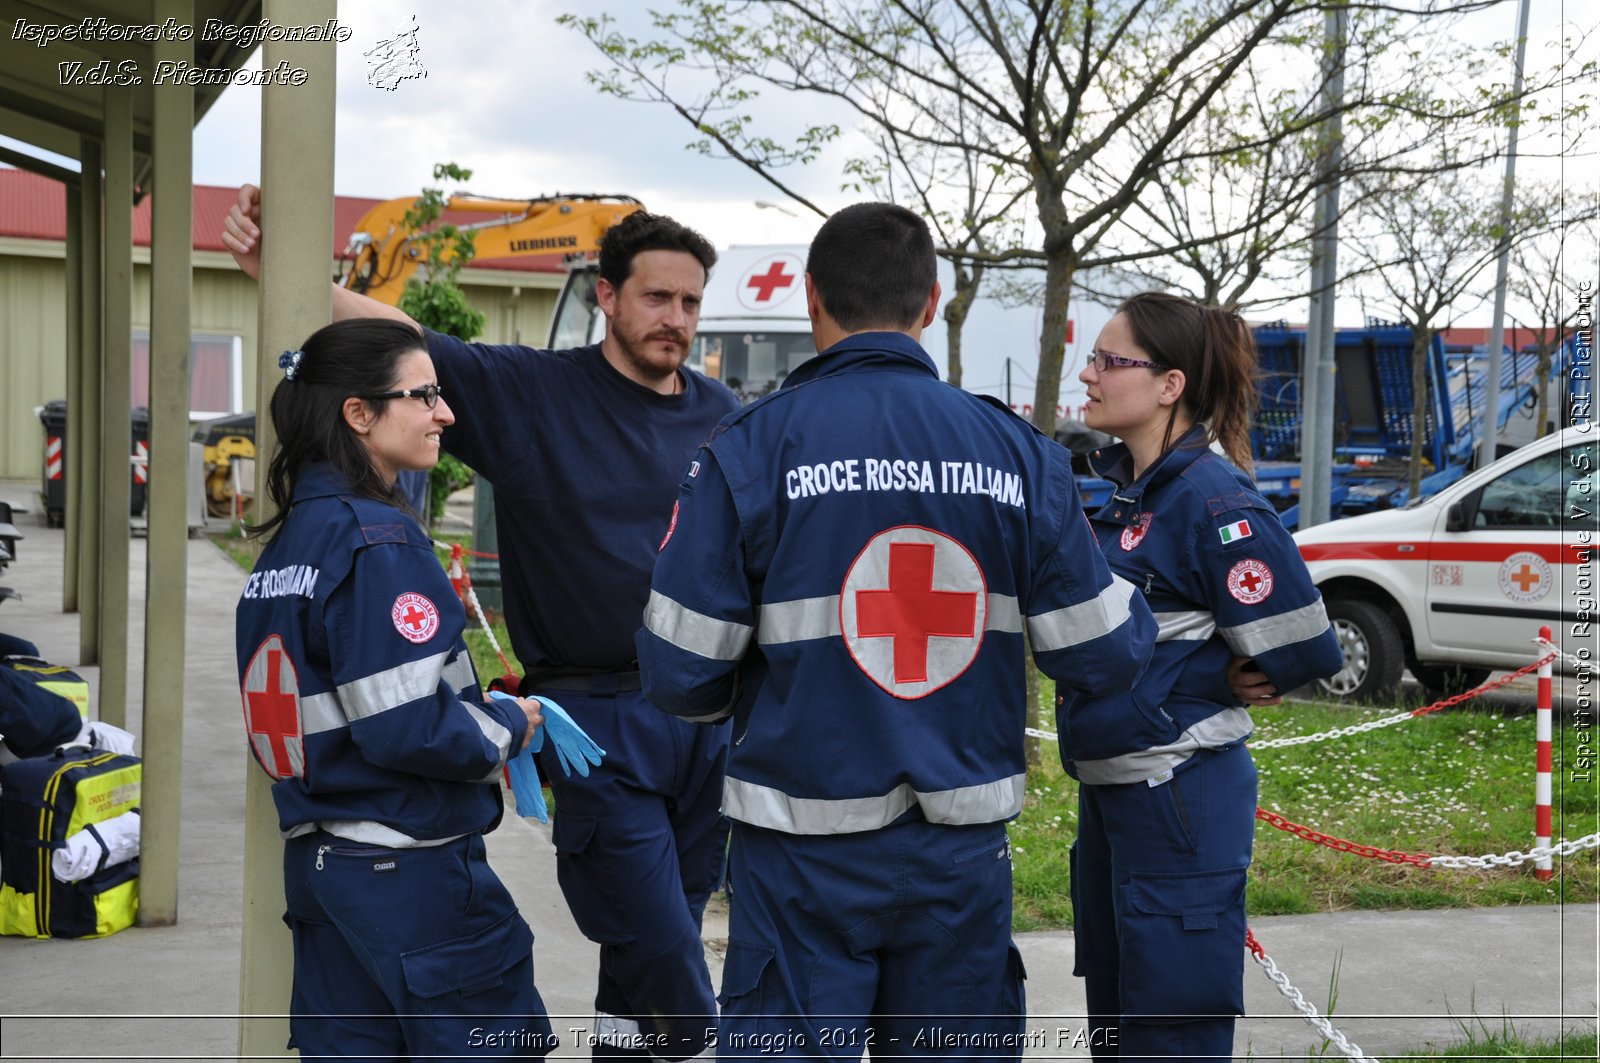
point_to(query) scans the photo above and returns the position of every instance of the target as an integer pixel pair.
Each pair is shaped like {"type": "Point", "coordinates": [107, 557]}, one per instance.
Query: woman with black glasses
{"type": "Point", "coordinates": [1167, 790]}
{"type": "Point", "coordinates": [360, 701]}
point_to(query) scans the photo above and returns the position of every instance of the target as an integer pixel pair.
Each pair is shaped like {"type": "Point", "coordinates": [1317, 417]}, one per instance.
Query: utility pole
{"type": "Point", "coordinates": [1489, 441]}
{"type": "Point", "coordinates": [1318, 368]}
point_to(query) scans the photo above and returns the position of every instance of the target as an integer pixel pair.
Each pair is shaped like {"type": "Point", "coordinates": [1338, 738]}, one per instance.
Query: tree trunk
{"type": "Point", "coordinates": [1060, 265]}
{"type": "Point", "coordinates": [1421, 340]}
{"type": "Point", "coordinates": [1542, 382]}
{"type": "Point", "coordinates": [968, 280]}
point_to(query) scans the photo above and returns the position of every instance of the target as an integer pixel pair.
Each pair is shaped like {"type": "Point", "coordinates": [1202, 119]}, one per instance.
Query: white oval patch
{"type": "Point", "coordinates": [415, 617]}
{"type": "Point", "coordinates": [913, 610]}
{"type": "Point", "coordinates": [1250, 581]}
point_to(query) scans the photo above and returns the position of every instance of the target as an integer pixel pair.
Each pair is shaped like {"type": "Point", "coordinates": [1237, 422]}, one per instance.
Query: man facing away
{"type": "Point", "coordinates": [852, 563]}
{"type": "Point", "coordinates": [584, 448]}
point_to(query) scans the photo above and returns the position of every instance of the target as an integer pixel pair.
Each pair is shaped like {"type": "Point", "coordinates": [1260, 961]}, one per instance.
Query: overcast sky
{"type": "Point", "coordinates": [505, 96]}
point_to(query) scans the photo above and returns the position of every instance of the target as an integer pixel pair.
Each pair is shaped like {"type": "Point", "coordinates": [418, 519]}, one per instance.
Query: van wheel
{"type": "Point", "coordinates": [1440, 681]}
{"type": "Point", "coordinates": [1373, 652]}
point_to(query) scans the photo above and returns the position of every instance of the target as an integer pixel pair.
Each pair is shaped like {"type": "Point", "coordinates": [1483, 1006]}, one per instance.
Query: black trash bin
{"type": "Point", "coordinates": [54, 488]}
{"type": "Point", "coordinates": [140, 451]}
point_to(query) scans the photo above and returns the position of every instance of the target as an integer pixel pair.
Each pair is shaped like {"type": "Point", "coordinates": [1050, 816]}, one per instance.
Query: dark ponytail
{"type": "Point", "coordinates": [1216, 351]}
{"type": "Point", "coordinates": [347, 358]}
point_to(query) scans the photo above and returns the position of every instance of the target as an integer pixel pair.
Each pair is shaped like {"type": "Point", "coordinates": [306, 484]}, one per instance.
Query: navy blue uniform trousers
{"type": "Point", "coordinates": [407, 954]}
{"type": "Point", "coordinates": [895, 941]}
{"type": "Point", "coordinates": [1158, 878]}
{"type": "Point", "coordinates": [640, 844]}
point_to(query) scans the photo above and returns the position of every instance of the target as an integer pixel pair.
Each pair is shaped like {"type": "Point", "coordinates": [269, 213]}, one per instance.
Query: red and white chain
{"type": "Point", "coordinates": [1516, 856]}
{"type": "Point", "coordinates": [1572, 659]}
{"type": "Point", "coordinates": [1297, 1000]}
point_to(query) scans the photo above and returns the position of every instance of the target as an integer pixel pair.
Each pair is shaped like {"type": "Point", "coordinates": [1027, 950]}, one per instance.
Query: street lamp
{"type": "Point", "coordinates": [762, 204]}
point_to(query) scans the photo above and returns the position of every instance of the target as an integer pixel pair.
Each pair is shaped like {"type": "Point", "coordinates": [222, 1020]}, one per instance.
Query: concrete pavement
{"type": "Point", "coordinates": [1405, 978]}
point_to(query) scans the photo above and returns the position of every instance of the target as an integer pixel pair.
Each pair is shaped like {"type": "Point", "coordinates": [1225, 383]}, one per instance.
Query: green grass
{"type": "Point", "coordinates": [236, 546]}
{"type": "Point", "coordinates": [1508, 1044]}
{"type": "Point", "coordinates": [1455, 782]}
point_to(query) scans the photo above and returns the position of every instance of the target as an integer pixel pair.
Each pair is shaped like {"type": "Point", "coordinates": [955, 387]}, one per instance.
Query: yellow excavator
{"type": "Point", "coordinates": [383, 254]}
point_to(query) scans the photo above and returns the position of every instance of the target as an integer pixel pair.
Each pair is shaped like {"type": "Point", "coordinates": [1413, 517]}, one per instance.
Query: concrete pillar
{"type": "Point", "coordinates": [115, 395]}
{"type": "Point", "coordinates": [166, 569]}
{"type": "Point", "coordinates": [83, 408]}
{"type": "Point", "coordinates": [74, 360]}
{"type": "Point", "coordinates": [297, 127]}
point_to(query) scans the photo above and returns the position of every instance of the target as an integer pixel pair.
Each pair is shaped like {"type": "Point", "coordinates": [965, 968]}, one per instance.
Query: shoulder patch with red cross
{"type": "Point", "coordinates": [415, 617]}
{"type": "Point", "coordinates": [1250, 581]}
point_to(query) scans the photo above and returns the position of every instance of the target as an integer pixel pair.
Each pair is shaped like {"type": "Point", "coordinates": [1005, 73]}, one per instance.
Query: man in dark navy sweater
{"type": "Point", "coordinates": [585, 449]}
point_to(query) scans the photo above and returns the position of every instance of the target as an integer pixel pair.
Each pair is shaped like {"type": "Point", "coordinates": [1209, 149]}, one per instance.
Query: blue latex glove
{"type": "Point", "coordinates": [524, 776]}
{"type": "Point", "coordinates": [574, 748]}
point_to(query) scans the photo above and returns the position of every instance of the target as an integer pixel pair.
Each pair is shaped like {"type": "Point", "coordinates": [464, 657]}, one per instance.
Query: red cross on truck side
{"type": "Point", "coordinates": [770, 281]}
{"type": "Point", "coordinates": [1525, 577]}
{"type": "Point", "coordinates": [275, 715]}
{"type": "Point", "coordinates": [911, 612]}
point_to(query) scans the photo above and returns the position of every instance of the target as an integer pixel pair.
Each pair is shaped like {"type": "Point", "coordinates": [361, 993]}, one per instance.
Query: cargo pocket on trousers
{"type": "Point", "coordinates": [742, 969]}
{"type": "Point", "coordinates": [585, 872]}
{"type": "Point", "coordinates": [1183, 946]}
{"type": "Point", "coordinates": [442, 976]}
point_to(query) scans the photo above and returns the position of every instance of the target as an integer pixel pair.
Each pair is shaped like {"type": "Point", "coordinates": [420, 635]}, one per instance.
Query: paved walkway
{"type": "Point", "coordinates": [1405, 978]}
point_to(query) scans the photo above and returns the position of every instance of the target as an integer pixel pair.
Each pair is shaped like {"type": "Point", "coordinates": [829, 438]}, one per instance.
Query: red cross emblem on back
{"type": "Point", "coordinates": [913, 610]}
{"type": "Point", "coordinates": [272, 711]}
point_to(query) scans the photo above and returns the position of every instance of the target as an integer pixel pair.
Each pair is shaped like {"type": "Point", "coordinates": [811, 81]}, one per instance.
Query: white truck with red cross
{"type": "Point", "coordinates": [1459, 583]}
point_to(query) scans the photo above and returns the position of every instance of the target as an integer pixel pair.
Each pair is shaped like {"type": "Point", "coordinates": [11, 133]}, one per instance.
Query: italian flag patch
{"type": "Point", "coordinates": [1232, 533]}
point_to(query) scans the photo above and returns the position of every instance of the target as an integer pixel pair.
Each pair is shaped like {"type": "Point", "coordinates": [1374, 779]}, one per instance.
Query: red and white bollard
{"type": "Point", "coordinates": [1544, 766]}
{"type": "Point", "coordinates": [457, 572]}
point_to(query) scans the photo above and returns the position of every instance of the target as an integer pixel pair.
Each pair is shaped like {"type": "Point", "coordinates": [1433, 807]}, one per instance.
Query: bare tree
{"type": "Point", "coordinates": [1085, 103]}
{"type": "Point", "coordinates": [1546, 273]}
{"type": "Point", "coordinates": [1425, 246]}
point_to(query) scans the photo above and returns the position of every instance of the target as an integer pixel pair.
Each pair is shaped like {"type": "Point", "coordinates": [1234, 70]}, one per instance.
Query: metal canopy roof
{"type": "Point", "coordinates": [50, 104]}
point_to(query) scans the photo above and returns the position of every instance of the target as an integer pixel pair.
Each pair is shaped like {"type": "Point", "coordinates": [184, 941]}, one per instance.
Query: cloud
{"type": "Point", "coordinates": [506, 96]}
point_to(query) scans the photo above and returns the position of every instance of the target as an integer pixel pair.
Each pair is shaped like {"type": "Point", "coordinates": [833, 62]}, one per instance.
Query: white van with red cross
{"type": "Point", "coordinates": [1459, 583]}
{"type": "Point", "coordinates": [753, 324]}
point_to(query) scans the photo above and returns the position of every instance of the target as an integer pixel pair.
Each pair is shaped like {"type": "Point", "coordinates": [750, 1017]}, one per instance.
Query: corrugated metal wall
{"type": "Point", "coordinates": [33, 334]}
{"type": "Point", "coordinates": [33, 368]}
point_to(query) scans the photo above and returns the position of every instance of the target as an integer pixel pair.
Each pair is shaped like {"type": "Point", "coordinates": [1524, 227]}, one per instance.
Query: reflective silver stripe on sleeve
{"type": "Point", "coordinates": [1273, 632]}
{"type": "Point", "coordinates": [494, 731]}
{"type": "Point", "coordinates": [764, 806]}
{"type": "Point", "coordinates": [718, 640]}
{"type": "Point", "coordinates": [368, 832]}
{"type": "Point", "coordinates": [391, 687]}
{"type": "Point", "coordinates": [459, 673]}
{"type": "Point", "coordinates": [818, 618]}
{"type": "Point", "coordinates": [1079, 623]}
{"type": "Point", "coordinates": [1229, 725]}
{"type": "Point", "coordinates": [1196, 625]}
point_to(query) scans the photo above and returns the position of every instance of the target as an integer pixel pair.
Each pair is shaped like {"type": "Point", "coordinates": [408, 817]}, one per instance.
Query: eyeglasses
{"type": "Point", "coordinates": [1103, 361]}
{"type": "Point", "coordinates": [428, 393]}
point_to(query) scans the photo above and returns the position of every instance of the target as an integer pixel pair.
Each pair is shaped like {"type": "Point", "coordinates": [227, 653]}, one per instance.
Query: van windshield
{"type": "Point", "coordinates": [750, 363]}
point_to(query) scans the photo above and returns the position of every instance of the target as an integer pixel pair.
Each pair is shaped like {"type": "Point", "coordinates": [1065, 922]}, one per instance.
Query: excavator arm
{"type": "Point", "coordinates": [383, 253]}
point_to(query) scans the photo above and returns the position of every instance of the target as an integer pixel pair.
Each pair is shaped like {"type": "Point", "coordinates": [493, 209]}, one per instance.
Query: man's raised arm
{"type": "Point", "coordinates": [241, 235]}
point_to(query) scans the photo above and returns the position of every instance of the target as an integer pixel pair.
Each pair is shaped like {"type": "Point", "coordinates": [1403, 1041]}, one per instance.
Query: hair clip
{"type": "Point", "coordinates": [289, 362]}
